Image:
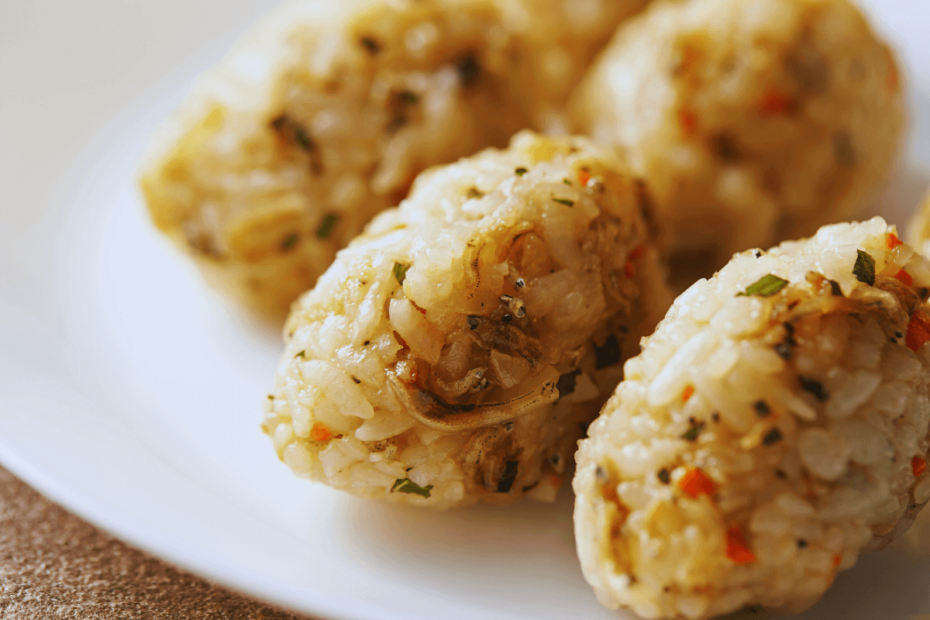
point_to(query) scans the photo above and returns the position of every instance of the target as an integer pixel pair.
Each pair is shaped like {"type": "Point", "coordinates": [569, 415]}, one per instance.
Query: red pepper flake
{"type": "Point", "coordinates": [629, 270]}
{"type": "Point", "coordinates": [892, 241]}
{"type": "Point", "coordinates": [919, 466]}
{"type": "Point", "coordinates": [687, 121]}
{"type": "Point", "coordinates": [687, 393]}
{"type": "Point", "coordinates": [637, 252]}
{"type": "Point", "coordinates": [836, 561]}
{"type": "Point", "coordinates": [584, 176]}
{"type": "Point", "coordinates": [774, 103]}
{"type": "Point", "coordinates": [918, 332]}
{"type": "Point", "coordinates": [695, 483]}
{"type": "Point", "coordinates": [737, 549]}
{"type": "Point", "coordinates": [318, 432]}
{"type": "Point", "coordinates": [905, 278]}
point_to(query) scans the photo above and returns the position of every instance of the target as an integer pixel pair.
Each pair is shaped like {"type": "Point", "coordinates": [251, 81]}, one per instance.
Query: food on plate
{"type": "Point", "coordinates": [324, 115]}
{"type": "Point", "coordinates": [456, 350]}
{"type": "Point", "coordinates": [773, 428]}
{"type": "Point", "coordinates": [752, 122]}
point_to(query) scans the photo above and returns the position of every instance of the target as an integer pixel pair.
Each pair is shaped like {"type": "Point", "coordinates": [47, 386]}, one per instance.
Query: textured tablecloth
{"type": "Point", "coordinates": [53, 566]}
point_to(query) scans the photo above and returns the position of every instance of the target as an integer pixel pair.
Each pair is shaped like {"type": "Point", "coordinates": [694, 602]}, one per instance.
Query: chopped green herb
{"type": "Point", "coordinates": [565, 201]}
{"type": "Point", "coordinates": [762, 408]}
{"type": "Point", "coordinates": [725, 148]}
{"type": "Point", "coordinates": [400, 272]}
{"type": "Point", "coordinates": [520, 172]}
{"type": "Point", "coordinates": [468, 69]}
{"type": "Point", "coordinates": [371, 45]}
{"type": "Point", "coordinates": [694, 431]}
{"type": "Point", "coordinates": [404, 485]}
{"type": "Point", "coordinates": [566, 383]}
{"type": "Point", "coordinates": [327, 226]}
{"type": "Point", "coordinates": [301, 354]}
{"type": "Point", "coordinates": [289, 241]}
{"type": "Point", "coordinates": [815, 388]}
{"type": "Point", "coordinates": [271, 397]}
{"type": "Point", "coordinates": [302, 139]}
{"type": "Point", "coordinates": [784, 350]}
{"type": "Point", "coordinates": [507, 478]}
{"type": "Point", "coordinates": [566, 181]}
{"type": "Point", "coordinates": [772, 437]}
{"type": "Point", "coordinates": [843, 150]}
{"type": "Point", "coordinates": [864, 269]}
{"type": "Point", "coordinates": [766, 286]}
{"type": "Point", "coordinates": [664, 476]}
{"type": "Point", "coordinates": [292, 131]}
{"type": "Point", "coordinates": [409, 97]}
{"type": "Point", "coordinates": [474, 193]}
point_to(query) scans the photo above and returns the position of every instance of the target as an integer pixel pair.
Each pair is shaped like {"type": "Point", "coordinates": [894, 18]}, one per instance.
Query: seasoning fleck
{"type": "Point", "coordinates": [327, 226]}
{"type": "Point", "coordinates": [815, 388]}
{"type": "Point", "coordinates": [864, 269]}
{"type": "Point", "coordinates": [404, 485]}
{"type": "Point", "coordinates": [520, 172]}
{"type": "Point", "coordinates": [843, 150]}
{"type": "Point", "coordinates": [371, 45]}
{"type": "Point", "coordinates": [766, 286]}
{"type": "Point", "coordinates": [565, 201]}
{"type": "Point", "coordinates": [400, 272]}
{"type": "Point", "coordinates": [468, 69]}
{"type": "Point", "coordinates": [289, 241]}
{"type": "Point", "coordinates": [694, 431]}
{"type": "Point", "coordinates": [664, 476]}
{"type": "Point", "coordinates": [762, 408]}
{"type": "Point", "coordinates": [772, 437]}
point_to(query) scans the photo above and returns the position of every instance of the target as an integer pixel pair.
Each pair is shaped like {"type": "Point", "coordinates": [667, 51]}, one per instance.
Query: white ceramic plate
{"type": "Point", "coordinates": [130, 394]}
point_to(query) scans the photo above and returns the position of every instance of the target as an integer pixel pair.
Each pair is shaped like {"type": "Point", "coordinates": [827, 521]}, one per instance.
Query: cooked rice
{"type": "Point", "coordinates": [752, 122]}
{"type": "Point", "coordinates": [759, 444]}
{"type": "Point", "coordinates": [327, 111]}
{"type": "Point", "coordinates": [456, 350]}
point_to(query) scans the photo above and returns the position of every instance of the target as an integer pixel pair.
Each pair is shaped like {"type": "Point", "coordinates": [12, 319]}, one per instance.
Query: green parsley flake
{"type": "Point", "coordinates": [566, 181]}
{"type": "Point", "coordinates": [400, 272]}
{"type": "Point", "coordinates": [301, 354]}
{"type": "Point", "coordinates": [694, 431]}
{"type": "Point", "coordinates": [766, 286]}
{"type": "Point", "coordinates": [565, 201]}
{"type": "Point", "coordinates": [327, 226]}
{"type": "Point", "coordinates": [404, 485]}
{"type": "Point", "coordinates": [864, 269]}
{"type": "Point", "coordinates": [474, 193]}
{"type": "Point", "coordinates": [409, 97]}
{"type": "Point", "coordinates": [289, 241]}
{"type": "Point", "coordinates": [520, 171]}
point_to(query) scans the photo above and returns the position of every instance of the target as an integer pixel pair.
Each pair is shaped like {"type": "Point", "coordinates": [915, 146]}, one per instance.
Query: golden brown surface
{"type": "Point", "coordinates": [54, 566]}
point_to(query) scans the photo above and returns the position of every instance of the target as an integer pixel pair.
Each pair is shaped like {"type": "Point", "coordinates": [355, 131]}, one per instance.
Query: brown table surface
{"type": "Point", "coordinates": [53, 565]}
